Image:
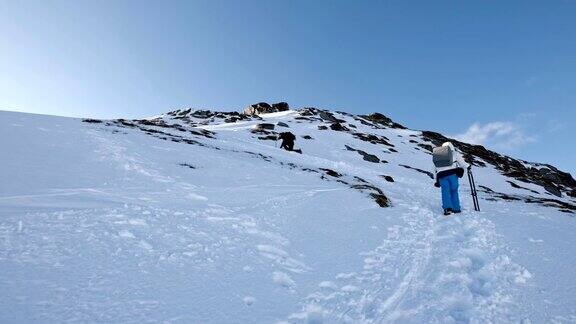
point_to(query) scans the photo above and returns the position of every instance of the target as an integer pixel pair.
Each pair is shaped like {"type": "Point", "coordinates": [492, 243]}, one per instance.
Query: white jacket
{"type": "Point", "coordinates": [458, 161]}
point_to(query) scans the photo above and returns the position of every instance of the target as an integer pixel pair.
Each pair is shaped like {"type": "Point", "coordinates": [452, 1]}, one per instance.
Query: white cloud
{"type": "Point", "coordinates": [498, 135]}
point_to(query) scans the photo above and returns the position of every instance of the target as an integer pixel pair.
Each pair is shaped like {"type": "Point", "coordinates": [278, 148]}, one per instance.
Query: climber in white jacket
{"type": "Point", "coordinates": [447, 179]}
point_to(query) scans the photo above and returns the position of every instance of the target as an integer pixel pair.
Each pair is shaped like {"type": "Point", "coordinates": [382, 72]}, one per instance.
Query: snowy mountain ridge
{"type": "Point", "coordinates": [197, 216]}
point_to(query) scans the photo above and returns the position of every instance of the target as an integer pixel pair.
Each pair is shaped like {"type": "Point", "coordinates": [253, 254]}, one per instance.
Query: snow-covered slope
{"type": "Point", "coordinates": [192, 217]}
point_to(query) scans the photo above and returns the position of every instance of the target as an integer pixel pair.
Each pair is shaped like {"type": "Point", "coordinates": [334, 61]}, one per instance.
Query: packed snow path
{"type": "Point", "coordinates": [109, 224]}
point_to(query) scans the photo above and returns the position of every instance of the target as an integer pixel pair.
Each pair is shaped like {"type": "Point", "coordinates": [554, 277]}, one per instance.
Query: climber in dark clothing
{"type": "Point", "coordinates": [288, 142]}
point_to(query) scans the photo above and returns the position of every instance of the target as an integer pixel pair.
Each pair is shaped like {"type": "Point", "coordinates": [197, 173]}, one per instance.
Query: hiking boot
{"type": "Point", "coordinates": [447, 211]}
{"type": "Point", "coordinates": [457, 211]}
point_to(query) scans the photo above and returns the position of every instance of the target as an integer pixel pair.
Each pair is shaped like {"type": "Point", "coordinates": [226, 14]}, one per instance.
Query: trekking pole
{"type": "Point", "coordinates": [473, 190]}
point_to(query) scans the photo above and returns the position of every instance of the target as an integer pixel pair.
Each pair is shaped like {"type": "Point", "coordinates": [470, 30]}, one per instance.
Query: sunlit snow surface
{"type": "Point", "coordinates": [104, 224]}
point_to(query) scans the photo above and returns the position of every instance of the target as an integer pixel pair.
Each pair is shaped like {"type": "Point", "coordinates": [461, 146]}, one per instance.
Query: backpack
{"type": "Point", "coordinates": [287, 136]}
{"type": "Point", "coordinates": [442, 156]}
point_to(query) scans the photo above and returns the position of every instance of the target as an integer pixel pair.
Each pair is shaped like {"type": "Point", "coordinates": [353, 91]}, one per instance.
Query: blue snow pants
{"type": "Point", "coordinates": [449, 185]}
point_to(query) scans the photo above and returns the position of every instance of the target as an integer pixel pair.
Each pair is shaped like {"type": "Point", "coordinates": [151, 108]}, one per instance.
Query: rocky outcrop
{"type": "Point", "coordinates": [365, 156]}
{"type": "Point", "coordinates": [202, 117]}
{"type": "Point", "coordinates": [373, 139]}
{"type": "Point", "coordinates": [331, 172]}
{"type": "Point", "coordinates": [265, 108]}
{"type": "Point", "coordinates": [387, 178]}
{"type": "Point", "coordinates": [548, 202]}
{"type": "Point", "coordinates": [380, 119]}
{"type": "Point", "coordinates": [338, 127]}
{"type": "Point", "coordinates": [92, 121]}
{"type": "Point", "coordinates": [376, 194]}
{"type": "Point", "coordinates": [281, 106]}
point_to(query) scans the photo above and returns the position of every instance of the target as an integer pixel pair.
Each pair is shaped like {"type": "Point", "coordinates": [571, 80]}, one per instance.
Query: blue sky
{"type": "Point", "coordinates": [499, 73]}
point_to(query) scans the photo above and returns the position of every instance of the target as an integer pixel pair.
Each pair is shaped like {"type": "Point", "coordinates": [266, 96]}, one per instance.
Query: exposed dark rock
{"type": "Point", "coordinates": [157, 123]}
{"type": "Point", "coordinates": [139, 123]}
{"type": "Point", "coordinates": [553, 189]}
{"type": "Point", "coordinates": [500, 195]}
{"type": "Point", "coordinates": [369, 157]}
{"type": "Point", "coordinates": [388, 178]}
{"type": "Point", "coordinates": [265, 108]}
{"type": "Point", "coordinates": [427, 147]}
{"type": "Point", "coordinates": [312, 113]}
{"type": "Point", "coordinates": [126, 123]}
{"type": "Point", "coordinates": [202, 114]}
{"type": "Point", "coordinates": [517, 186]}
{"type": "Point", "coordinates": [322, 127]}
{"type": "Point", "coordinates": [163, 135]}
{"type": "Point", "coordinates": [92, 121]}
{"type": "Point", "coordinates": [186, 114]}
{"type": "Point", "coordinates": [187, 165]}
{"type": "Point", "coordinates": [428, 173]}
{"type": "Point", "coordinates": [281, 106]}
{"type": "Point", "coordinates": [329, 117]}
{"type": "Point", "coordinates": [259, 155]}
{"type": "Point", "coordinates": [380, 119]}
{"type": "Point", "coordinates": [374, 139]}
{"type": "Point", "coordinates": [282, 124]}
{"type": "Point", "coordinates": [258, 108]}
{"type": "Point", "coordinates": [381, 200]}
{"type": "Point", "coordinates": [308, 137]}
{"type": "Point", "coordinates": [366, 156]}
{"type": "Point", "coordinates": [344, 113]}
{"type": "Point", "coordinates": [377, 194]}
{"type": "Point", "coordinates": [289, 164]}
{"type": "Point", "coordinates": [307, 111]}
{"type": "Point", "coordinates": [551, 203]}
{"type": "Point", "coordinates": [547, 202]}
{"type": "Point", "coordinates": [202, 132]}
{"type": "Point", "coordinates": [338, 127]}
{"type": "Point", "coordinates": [367, 187]}
{"type": "Point", "coordinates": [331, 173]}
{"type": "Point", "coordinates": [360, 179]}
{"type": "Point", "coordinates": [352, 125]}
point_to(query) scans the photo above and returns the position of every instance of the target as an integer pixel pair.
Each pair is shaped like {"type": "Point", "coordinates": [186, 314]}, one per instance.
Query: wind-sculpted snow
{"type": "Point", "coordinates": [199, 217]}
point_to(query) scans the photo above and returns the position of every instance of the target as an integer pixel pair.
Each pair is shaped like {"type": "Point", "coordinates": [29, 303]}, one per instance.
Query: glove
{"type": "Point", "coordinates": [469, 167]}
{"type": "Point", "coordinates": [437, 184]}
